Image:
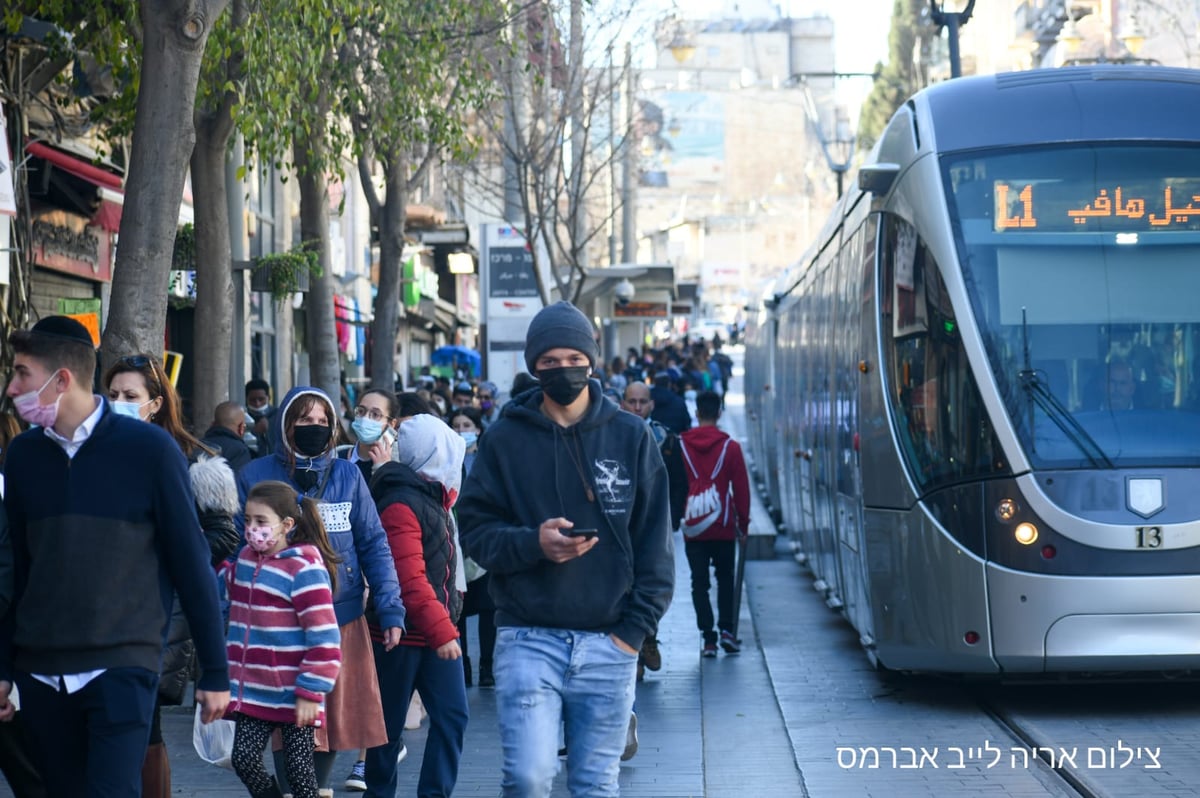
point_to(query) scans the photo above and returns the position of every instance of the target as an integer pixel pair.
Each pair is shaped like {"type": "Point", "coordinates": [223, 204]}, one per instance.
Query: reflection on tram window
{"type": "Point", "coordinates": [1092, 331]}
{"type": "Point", "coordinates": [939, 417]}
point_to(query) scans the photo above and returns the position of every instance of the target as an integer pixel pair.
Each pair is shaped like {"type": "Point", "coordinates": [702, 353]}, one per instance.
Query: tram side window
{"type": "Point", "coordinates": [944, 432]}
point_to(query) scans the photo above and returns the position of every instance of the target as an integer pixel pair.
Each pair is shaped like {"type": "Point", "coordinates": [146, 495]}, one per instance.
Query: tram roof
{"type": "Point", "coordinates": [1085, 103]}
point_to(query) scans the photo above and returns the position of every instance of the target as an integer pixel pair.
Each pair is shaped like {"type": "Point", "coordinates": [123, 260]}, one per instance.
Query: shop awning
{"type": "Point", "coordinates": [112, 197]}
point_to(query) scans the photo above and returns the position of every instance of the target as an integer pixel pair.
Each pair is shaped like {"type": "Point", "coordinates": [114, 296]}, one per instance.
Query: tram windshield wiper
{"type": "Point", "coordinates": [1041, 395]}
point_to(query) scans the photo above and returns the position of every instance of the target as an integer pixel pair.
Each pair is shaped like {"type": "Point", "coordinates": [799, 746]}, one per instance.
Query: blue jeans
{"type": "Point", "coordinates": [551, 677]}
{"type": "Point", "coordinates": [440, 684]}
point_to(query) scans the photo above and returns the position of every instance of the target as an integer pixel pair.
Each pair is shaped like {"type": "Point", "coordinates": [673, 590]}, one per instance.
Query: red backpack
{"type": "Point", "coordinates": [708, 499]}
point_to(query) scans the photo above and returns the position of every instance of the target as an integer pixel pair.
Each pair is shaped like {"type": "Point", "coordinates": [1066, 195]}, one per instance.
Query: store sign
{"type": "Point", "coordinates": [640, 310]}
{"type": "Point", "coordinates": [66, 242]}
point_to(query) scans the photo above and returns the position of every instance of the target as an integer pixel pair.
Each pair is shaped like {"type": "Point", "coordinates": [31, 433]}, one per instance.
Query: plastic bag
{"type": "Point", "coordinates": [213, 741]}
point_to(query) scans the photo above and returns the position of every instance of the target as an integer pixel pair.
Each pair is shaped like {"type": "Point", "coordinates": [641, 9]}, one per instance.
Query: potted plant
{"type": "Point", "coordinates": [282, 274]}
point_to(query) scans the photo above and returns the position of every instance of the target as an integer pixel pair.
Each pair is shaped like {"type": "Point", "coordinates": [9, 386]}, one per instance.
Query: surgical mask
{"type": "Point", "coordinates": [469, 437]}
{"type": "Point", "coordinates": [312, 439]}
{"type": "Point", "coordinates": [33, 411]}
{"type": "Point", "coordinates": [368, 431]}
{"type": "Point", "coordinates": [130, 409]}
{"type": "Point", "coordinates": [564, 384]}
{"type": "Point", "coordinates": [485, 404]}
{"type": "Point", "coordinates": [262, 538]}
{"type": "Point", "coordinates": [689, 395]}
{"type": "Point", "coordinates": [258, 412]}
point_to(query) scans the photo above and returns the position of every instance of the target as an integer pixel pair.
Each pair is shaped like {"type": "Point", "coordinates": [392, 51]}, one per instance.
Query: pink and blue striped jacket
{"type": "Point", "coordinates": [283, 640]}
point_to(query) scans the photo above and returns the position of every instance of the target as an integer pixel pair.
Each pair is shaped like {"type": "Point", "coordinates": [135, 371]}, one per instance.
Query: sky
{"type": "Point", "coordinates": [860, 26]}
{"type": "Point", "coordinates": [860, 30]}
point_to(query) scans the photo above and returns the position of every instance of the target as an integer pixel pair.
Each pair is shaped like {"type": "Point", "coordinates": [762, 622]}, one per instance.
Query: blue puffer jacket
{"type": "Point", "coordinates": [348, 510]}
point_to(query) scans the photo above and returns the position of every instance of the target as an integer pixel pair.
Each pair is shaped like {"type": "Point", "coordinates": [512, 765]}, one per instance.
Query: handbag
{"type": "Point", "coordinates": [213, 741]}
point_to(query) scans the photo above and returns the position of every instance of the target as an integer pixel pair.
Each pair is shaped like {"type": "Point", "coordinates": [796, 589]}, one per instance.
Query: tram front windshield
{"type": "Point", "coordinates": [1083, 268]}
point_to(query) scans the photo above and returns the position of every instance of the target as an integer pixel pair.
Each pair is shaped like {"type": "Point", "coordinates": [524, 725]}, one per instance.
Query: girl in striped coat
{"type": "Point", "coordinates": [283, 641]}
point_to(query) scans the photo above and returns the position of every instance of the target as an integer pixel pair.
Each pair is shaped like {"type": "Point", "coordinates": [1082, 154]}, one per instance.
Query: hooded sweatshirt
{"type": "Point", "coordinates": [348, 512]}
{"type": "Point", "coordinates": [414, 497]}
{"type": "Point", "coordinates": [604, 472]}
{"type": "Point", "coordinates": [703, 449]}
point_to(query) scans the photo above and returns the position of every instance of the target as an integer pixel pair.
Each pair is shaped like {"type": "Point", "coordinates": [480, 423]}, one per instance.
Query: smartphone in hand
{"type": "Point", "coordinates": [580, 532]}
{"type": "Point", "coordinates": [388, 437]}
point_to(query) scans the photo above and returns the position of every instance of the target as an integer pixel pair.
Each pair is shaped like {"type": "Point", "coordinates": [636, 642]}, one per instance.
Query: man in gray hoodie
{"type": "Point", "coordinates": [567, 507]}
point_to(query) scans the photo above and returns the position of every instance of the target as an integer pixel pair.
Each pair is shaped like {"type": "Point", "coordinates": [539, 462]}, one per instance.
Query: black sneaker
{"type": "Point", "coordinates": [357, 780]}
{"type": "Point", "coordinates": [709, 650]}
{"type": "Point", "coordinates": [730, 643]}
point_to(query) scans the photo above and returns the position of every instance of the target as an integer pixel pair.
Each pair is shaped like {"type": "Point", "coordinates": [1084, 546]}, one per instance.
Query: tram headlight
{"type": "Point", "coordinates": [1025, 533]}
{"type": "Point", "coordinates": [1006, 510]}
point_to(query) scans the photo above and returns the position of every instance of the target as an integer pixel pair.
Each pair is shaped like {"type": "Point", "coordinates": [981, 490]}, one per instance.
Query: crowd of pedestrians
{"type": "Point", "coordinates": [310, 571]}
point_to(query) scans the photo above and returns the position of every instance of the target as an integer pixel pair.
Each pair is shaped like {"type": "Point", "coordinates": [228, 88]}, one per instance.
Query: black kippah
{"type": "Point", "coordinates": [64, 327]}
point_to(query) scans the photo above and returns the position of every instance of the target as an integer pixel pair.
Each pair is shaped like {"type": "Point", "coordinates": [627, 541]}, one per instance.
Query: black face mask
{"type": "Point", "coordinates": [564, 384]}
{"type": "Point", "coordinates": [312, 439]}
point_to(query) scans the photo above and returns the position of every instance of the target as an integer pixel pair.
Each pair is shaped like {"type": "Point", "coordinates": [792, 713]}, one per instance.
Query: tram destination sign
{"type": "Point", "coordinates": [1058, 206]}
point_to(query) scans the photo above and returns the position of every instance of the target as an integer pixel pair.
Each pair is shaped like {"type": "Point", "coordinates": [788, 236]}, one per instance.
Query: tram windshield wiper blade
{"type": "Point", "coordinates": [1044, 398]}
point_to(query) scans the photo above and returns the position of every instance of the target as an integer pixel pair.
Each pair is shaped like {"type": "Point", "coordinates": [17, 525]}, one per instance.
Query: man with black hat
{"type": "Point", "coordinates": [567, 508]}
{"type": "Point", "coordinates": [104, 531]}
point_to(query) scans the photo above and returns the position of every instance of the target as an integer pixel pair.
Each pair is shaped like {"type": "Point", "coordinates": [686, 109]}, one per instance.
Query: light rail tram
{"type": "Point", "coordinates": [975, 401]}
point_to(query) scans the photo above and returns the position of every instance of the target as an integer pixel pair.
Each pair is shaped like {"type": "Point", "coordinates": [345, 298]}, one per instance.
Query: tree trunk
{"type": "Point", "coordinates": [213, 323]}
{"type": "Point", "coordinates": [386, 324]}
{"type": "Point", "coordinates": [174, 33]}
{"type": "Point", "coordinates": [320, 334]}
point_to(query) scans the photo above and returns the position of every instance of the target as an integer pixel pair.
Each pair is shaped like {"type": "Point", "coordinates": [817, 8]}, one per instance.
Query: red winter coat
{"type": "Point", "coordinates": [702, 447]}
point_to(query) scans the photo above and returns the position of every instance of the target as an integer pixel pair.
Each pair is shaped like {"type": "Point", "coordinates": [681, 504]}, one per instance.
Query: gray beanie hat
{"type": "Point", "coordinates": [560, 324]}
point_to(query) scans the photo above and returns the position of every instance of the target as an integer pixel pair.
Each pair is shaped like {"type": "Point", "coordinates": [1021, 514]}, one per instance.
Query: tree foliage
{"type": "Point", "coordinates": [899, 78]}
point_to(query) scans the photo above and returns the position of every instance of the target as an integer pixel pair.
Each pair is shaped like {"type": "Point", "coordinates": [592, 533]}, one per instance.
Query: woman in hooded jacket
{"type": "Point", "coordinates": [414, 497]}
{"type": "Point", "coordinates": [137, 386]}
{"type": "Point", "coordinates": [304, 457]}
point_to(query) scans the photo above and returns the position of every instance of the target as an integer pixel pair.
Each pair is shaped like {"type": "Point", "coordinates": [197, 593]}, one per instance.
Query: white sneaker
{"type": "Point", "coordinates": [631, 740]}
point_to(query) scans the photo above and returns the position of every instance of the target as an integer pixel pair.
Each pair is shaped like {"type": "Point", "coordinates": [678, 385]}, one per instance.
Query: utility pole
{"type": "Point", "coordinates": [612, 160]}
{"type": "Point", "coordinates": [629, 173]}
{"type": "Point", "coordinates": [514, 208]}
{"type": "Point", "coordinates": [577, 210]}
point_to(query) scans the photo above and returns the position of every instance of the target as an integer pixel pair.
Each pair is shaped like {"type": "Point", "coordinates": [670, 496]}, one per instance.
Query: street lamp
{"type": "Point", "coordinates": [952, 21]}
{"type": "Point", "coordinates": [1131, 39]}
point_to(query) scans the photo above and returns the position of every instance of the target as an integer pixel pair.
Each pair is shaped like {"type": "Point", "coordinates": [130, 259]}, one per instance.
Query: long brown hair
{"type": "Point", "coordinates": [169, 416]}
{"type": "Point", "coordinates": [285, 503]}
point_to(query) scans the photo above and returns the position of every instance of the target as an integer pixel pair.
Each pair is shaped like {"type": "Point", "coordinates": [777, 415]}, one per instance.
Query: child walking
{"type": "Point", "coordinates": [283, 641]}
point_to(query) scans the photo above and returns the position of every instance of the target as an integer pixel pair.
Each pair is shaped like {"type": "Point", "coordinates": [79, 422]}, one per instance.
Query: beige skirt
{"type": "Point", "coordinates": [353, 709]}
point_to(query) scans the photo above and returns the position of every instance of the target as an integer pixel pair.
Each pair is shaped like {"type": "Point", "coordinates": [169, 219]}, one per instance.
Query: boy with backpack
{"type": "Point", "coordinates": [717, 514]}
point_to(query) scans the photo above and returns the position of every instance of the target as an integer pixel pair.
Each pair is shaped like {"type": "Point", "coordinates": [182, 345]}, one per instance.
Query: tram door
{"type": "Point", "coordinates": [847, 354]}
{"type": "Point", "coordinates": [825, 449]}
{"type": "Point", "coordinates": [802, 445]}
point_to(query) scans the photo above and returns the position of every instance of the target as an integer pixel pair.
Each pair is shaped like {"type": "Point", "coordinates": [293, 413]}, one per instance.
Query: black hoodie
{"type": "Point", "coordinates": [529, 470]}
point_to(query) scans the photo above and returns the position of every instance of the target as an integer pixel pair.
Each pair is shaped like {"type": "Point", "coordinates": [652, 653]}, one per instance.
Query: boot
{"type": "Point", "coordinates": [485, 676]}
{"type": "Point", "coordinates": [156, 772]}
{"type": "Point", "coordinates": [467, 670]}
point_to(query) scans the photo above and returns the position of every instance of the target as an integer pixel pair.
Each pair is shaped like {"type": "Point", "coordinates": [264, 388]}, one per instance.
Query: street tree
{"type": "Point", "coordinates": [557, 139]}
{"type": "Point", "coordinates": [408, 108]}
{"type": "Point", "coordinates": [213, 119]}
{"type": "Point", "coordinates": [155, 49]}
{"type": "Point", "coordinates": [899, 78]}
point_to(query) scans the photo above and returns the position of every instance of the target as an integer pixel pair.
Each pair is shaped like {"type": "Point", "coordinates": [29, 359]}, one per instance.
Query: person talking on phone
{"type": "Point", "coordinates": [375, 420]}
{"type": "Point", "coordinates": [572, 610]}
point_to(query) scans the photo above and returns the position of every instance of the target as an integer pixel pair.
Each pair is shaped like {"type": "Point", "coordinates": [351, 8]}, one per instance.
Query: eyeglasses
{"type": "Point", "coordinates": [372, 413]}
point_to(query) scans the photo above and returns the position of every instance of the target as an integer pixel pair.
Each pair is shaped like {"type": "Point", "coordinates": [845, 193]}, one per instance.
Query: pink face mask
{"type": "Point", "coordinates": [30, 408]}
{"type": "Point", "coordinates": [262, 538]}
